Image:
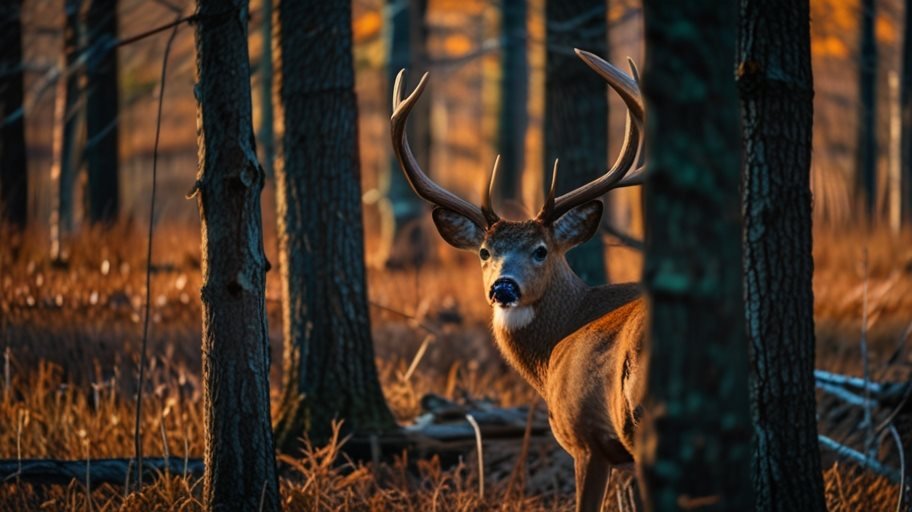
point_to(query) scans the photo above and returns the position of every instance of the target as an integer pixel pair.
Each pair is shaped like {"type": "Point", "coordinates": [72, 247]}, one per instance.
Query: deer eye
{"type": "Point", "coordinates": [484, 254]}
{"type": "Point", "coordinates": [540, 254]}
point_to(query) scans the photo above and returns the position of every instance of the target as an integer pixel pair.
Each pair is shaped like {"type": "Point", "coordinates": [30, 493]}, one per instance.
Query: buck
{"type": "Point", "coordinates": [579, 346]}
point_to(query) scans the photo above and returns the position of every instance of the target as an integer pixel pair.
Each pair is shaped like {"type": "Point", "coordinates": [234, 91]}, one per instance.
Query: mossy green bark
{"type": "Point", "coordinates": [694, 446]}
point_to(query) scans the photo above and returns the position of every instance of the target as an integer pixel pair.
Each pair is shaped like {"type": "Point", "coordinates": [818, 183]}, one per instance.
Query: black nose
{"type": "Point", "coordinates": [504, 291]}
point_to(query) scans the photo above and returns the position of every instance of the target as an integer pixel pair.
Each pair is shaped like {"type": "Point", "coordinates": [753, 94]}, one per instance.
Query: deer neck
{"type": "Point", "coordinates": [526, 335]}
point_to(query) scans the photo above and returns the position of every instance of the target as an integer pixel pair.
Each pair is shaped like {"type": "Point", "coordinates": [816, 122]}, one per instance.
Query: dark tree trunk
{"type": "Point", "coordinates": [406, 39]}
{"type": "Point", "coordinates": [13, 170]}
{"type": "Point", "coordinates": [695, 443]}
{"type": "Point", "coordinates": [776, 85]}
{"type": "Point", "coordinates": [576, 111]}
{"type": "Point", "coordinates": [514, 93]}
{"type": "Point", "coordinates": [267, 120]}
{"type": "Point", "coordinates": [239, 456]}
{"type": "Point", "coordinates": [69, 161]}
{"type": "Point", "coordinates": [329, 370]}
{"type": "Point", "coordinates": [102, 193]}
{"type": "Point", "coordinates": [906, 119]}
{"type": "Point", "coordinates": [866, 150]}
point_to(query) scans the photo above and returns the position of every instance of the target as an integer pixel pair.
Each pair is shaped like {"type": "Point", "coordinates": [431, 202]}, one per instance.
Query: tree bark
{"type": "Point", "coordinates": [514, 95]}
{"type": "Point", "coordinates": [905, 93]}
{"type": "Point", "coordinates": [102, 193]}
{"type": "Point", "coordinates": [775, 80]}
{"type": "Point", "coordinates": [406, 30]}
{"type": "Point", "coordinates": [13, 170]}
{"type": "Point", "coordinates": [239, 455]}
{"type": "Point", "coordinates": [694, 445]}
{"type": "Point", "coordinates": [866, 150]}
{"type": "Point", "coordinates": [69, 161]}
{"type": "Point", "coordinates": [576, 111]}
{"type": "Point", "coordinates": [329, 370]}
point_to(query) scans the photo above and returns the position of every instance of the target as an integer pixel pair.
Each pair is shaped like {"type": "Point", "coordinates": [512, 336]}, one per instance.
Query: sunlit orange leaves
{"type": "Point", "coordinates": [885, 29]}
{"type": "Point", "coordinates": [457, 44]}
{"type": "Point", "coordinates": [367, 25]}
{"type": "Point", "coordinates": [835, 25]}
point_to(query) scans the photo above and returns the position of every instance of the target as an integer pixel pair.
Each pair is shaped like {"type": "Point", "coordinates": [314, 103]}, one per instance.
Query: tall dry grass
{"type": "Point", "coordinates": [70, 332]}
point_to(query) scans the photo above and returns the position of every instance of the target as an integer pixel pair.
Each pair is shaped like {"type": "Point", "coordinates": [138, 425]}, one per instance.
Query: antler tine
{"type": "Point", "coordinates": [548, 207]}
{"type": "Point", "coordinates": [424, 186]}
{"type": "Point", "coordinates": [629, 91]}
{"type": "Point", "coordinates": [487, 207]}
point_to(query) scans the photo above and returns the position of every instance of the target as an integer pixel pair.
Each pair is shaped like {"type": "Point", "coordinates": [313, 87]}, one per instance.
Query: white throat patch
{"type": "Point", "coordinates": [512, 319]}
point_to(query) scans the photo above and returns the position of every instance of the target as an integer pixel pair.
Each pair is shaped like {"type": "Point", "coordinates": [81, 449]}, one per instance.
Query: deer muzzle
{"type": "Point", "coordinates": [504, 292]}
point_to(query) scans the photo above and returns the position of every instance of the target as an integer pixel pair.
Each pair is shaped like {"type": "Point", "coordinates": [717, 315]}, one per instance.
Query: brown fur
{"type": "Point", "coordinates": [578, 346]}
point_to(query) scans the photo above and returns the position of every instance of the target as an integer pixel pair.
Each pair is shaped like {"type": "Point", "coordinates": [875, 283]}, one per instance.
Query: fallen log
{"type": "Point", "coordinates": [95, 471]}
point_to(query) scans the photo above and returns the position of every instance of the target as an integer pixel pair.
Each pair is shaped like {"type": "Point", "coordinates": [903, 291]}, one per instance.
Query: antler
{"type": "Point", "coordinates": [619, 175]}
{"type": "Point", "coordinates": [424, 186]}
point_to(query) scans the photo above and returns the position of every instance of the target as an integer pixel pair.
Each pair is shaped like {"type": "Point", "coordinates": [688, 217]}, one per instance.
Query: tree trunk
{"type": "Point", "coordinates": [69, 160]}
{"type": "Point", "coordinates": [62, 165]}
{"type": "Point", "coordinates": [102, 193]}
{"type": "Point", "coordinates": [776, 85]}
{"type": "Point", "coordinates": [239, 456]}
{"type": "Point", "coordinates": [13, 170]}
{"type": "Point", "coordinates": [694, 446]}
{"type": "Point", "coordinates": [906, 119]}
{"type": "Point", "coordinates": [866, 150]}
{"type": "Point", "coordinates": [576, 111]}
{"type": "Point", "coordinates": [267, 120]}
{"type": "Point", "coordinates": [329, 370]}
{"type": "Point", "coordinates": [514, 94]}
{"type": "Point", "coordinates": [406, 39]}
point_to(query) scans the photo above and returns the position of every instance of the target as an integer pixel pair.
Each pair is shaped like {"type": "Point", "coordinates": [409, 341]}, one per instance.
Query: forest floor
{"type": "Point", "coordinates": [71, 333]}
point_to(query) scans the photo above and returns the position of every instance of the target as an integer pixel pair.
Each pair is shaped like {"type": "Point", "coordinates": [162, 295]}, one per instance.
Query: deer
{"type": "Point", "coordinates": [580, 347]}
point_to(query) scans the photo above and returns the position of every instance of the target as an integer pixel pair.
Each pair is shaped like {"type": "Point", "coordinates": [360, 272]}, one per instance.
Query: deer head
{"type": "Point", "coordinates": [519, 259]}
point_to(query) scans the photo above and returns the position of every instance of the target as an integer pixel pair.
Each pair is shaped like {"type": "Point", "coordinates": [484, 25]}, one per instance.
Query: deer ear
{"type": "Point", "coordinates": [458, 230]}
{"type": "Point", "coordinates": [578, 225]}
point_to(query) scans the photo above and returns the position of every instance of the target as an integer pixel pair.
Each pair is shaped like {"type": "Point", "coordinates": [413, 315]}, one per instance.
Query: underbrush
{"type": "Point", "coordinates": [70, 331]}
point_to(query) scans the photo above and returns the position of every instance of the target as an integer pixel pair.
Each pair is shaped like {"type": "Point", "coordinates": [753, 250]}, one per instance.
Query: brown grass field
{"type": "Point", "coordinates": [71, 334]}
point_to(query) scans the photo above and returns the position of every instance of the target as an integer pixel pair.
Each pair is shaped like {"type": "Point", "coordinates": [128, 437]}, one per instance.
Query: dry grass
{"type": "Point", "coordinates": [70, 332]}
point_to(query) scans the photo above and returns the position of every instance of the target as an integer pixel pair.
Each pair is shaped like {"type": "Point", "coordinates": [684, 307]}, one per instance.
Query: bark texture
{"type": "Point", "coordinates": [905, 94]}
{"type": "Point", "coordinates": [576, 111]}
{"type": "Point", "coordinates": [102, 192]}
{"type": "Point", "coordinates": [329, 370]}
{"type": "Point", "coordinates": [514, 95]}
{"type": "Point", "coordinates": [866, 149]}
{"type": "Point", "coordinates": [776, 84]}
{"type": "Point", "coordinates": [694, 446]}
{"type": "Point", "coordinates": [406, 39]}
{"type": "Point", "coordinates": [13, 170]}
{"type": "Point", "coordinates": [239, 455]}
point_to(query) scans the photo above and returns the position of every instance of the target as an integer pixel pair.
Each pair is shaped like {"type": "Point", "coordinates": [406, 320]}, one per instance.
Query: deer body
{"type": "Point", "coordinates": [579, 346]}
{"type": "Point", "coordinates": [587, 377]}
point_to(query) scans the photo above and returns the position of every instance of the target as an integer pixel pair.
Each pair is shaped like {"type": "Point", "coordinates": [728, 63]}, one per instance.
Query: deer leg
{"type": "Point", "coordinates": [592, 473]}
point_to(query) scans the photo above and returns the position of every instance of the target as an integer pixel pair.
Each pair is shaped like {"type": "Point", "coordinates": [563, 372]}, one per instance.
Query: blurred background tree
{"type": "Point", "coordinates": [405, 32]}
{"type": "Point", "coordinates": [102, 113]}
{"type": "Point", "coordinates": [576, 111]}
{"type": "Point", "coordinates": [13, 175]}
